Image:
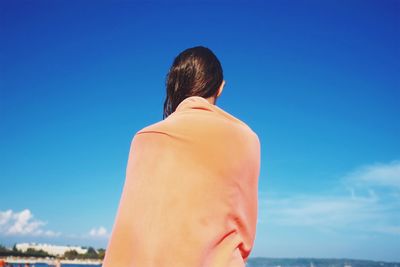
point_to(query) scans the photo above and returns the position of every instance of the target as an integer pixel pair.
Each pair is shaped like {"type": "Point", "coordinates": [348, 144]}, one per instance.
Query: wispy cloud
{"type": "Point", "coordinates": [376, 175]}
{"type": "Point", "coordinates": [23, 223]}
{"type": "Point", "coordinates": [367, 202]}
{"type": "Point", "coordinates": [98, 232]}
{"type": "Point", "coordinates": [319, 210]}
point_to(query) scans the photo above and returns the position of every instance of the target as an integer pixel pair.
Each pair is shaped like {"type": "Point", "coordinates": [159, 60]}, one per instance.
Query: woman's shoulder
{"type": "Point", "coordinates": [154, 127]}
{"type": "Point", "coordinates": [200, 122]}
{"type": "Point", "coordinates": [240, 123]}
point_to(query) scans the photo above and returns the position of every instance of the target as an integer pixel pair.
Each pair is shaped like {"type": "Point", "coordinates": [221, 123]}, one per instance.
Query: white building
{"type": "Point", "coordinates": [51, 249]}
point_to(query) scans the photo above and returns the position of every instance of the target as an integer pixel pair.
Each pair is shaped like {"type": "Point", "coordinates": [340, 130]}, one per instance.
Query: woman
{"type": "Point", "coordinates": [190, 193]}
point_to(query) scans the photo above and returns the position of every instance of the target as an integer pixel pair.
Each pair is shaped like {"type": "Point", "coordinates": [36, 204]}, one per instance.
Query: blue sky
{"type": "Point", "coordinates": [317, 80]}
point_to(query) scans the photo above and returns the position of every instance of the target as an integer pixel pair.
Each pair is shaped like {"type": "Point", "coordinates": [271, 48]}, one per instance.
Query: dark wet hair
{"type": "Point", "coordinates": [195, 71]}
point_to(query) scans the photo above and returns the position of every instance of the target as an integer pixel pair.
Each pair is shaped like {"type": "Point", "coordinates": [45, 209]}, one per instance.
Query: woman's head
{"type": "Point", "coordinates": [195, 72]}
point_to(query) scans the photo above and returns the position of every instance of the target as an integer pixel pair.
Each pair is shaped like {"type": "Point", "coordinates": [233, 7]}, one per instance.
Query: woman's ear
{"type": "Point", "coordinates": [221, 88]}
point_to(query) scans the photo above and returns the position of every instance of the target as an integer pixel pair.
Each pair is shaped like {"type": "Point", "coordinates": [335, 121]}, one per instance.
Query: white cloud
{"type": "Point", "coordinates": [5, 217]}
{"type": "Point", "coordinates": [50, 233]}
{"type": "Point", "coordinates": [386, 175]}
{"type": "Point", "coordinates": [316, 210]}
{"type": "Point", "coordinates": [22, 223]}
{"type": "Point", "coordinates": [98, 232]}
{"type": "Point", "coordinates": [364, 203]}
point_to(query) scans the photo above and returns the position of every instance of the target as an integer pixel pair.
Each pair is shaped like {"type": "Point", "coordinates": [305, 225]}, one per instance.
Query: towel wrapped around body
{"type": "Point", "coordinates": [190, 192]}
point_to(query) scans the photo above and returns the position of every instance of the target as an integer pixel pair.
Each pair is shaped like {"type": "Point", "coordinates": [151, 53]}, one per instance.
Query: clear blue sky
{"type": "Point", "coordinates": [317, 80]}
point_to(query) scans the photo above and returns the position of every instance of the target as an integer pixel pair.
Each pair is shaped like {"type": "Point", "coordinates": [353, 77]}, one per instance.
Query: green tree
{"type": "Point", "coordinates": [91, 253]}
{"type": "Point", "coordinates": [3, 249]}
{"type": "Point", "coordinates": [36, 253]}
{"type": "Point", "coordinates": [71, 255]}
{"type": "Point", "coordinates": [101, 253]}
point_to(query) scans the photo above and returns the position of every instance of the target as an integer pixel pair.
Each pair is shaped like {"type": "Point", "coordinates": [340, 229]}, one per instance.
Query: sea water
{"type": "Point", "coordinates": [62, 265]}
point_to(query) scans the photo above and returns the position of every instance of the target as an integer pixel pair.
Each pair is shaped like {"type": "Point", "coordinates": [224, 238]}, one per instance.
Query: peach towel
{"type": "Point", "coordinates": [190, 193]}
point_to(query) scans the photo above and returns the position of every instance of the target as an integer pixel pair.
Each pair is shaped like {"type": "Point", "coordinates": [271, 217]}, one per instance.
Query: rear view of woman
{"type": "Point", "coordinates": [190, 193]}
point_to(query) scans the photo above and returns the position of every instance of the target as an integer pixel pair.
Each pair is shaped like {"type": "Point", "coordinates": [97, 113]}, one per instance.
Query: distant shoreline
{"type": "Point", "coordinates": [252, 262]}
{"type": "Point", "coordinates": [321, 262]}
{"type": "Point", "coordinates": [49, 261]}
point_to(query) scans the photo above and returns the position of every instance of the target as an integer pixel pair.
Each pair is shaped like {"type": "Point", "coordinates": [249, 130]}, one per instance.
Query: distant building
{"type": "Point", "coordinates": [51, 249]}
